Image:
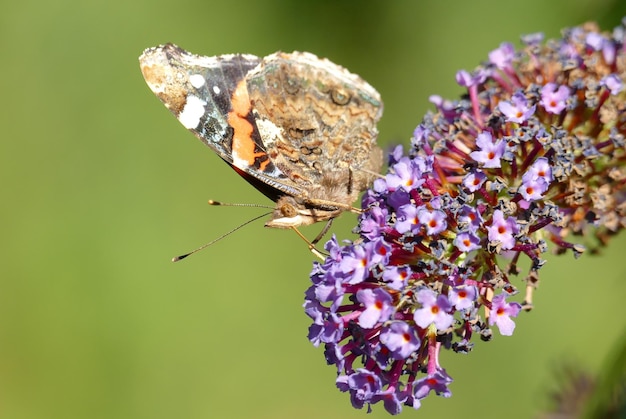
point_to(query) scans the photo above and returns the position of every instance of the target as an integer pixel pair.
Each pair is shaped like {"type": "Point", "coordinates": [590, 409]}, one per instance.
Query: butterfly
{"type": "Point", "coordinates": [300, 129]}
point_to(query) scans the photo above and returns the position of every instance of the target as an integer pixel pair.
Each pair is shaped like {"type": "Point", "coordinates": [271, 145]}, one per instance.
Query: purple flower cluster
{"type": "Point", "coordinates": [533, 152]}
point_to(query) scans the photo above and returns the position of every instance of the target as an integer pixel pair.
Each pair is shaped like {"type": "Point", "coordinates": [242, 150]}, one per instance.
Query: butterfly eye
{"type": "Point", "coordinates": [288, 210]}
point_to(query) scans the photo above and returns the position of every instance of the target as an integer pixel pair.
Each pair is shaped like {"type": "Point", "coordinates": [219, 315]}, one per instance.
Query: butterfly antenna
{"type": "Point", "coordinates": [230, 204]}
{"type": "Point", "coordinates": [181, 257]}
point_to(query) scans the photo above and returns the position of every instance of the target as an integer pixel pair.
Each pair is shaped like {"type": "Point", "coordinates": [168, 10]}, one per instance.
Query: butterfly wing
{"type": "Point", "coordinates": [207, 95]}
{"type": "Point", "coordinates": [290, 124]}
{"type": "Point", "coordinates": [317, 122]}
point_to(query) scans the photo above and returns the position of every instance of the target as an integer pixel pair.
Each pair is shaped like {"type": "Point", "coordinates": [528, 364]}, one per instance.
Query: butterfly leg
{"type": "Point", "coordinates": [310, 244]}
{"type": "Point", "coordinates": [323, 232]}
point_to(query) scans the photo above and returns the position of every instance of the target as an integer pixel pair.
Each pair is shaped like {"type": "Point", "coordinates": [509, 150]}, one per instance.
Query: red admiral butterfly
{"type": "Point", "coordinates": [300, 129]}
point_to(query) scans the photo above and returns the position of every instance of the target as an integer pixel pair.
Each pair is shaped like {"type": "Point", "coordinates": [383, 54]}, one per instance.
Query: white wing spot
{"type": "Point", "coordinates": [216, 90]}
{"type": "Point", "coordinates": [238, 161]}
{"type": "Point", "coordinates": [268, 130]}
{"type": "Point", "coordinates": [192, 112]}
{"type": "Point", "coordinates": [197, 80]}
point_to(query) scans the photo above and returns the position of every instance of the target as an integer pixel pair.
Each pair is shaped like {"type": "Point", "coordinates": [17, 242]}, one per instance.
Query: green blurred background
{"type": "Point", "coordinates": [102, 186]}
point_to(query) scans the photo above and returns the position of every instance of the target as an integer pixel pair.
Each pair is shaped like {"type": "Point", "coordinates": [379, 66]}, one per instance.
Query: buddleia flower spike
{"type": "Point", "coordinates": [532, 153]}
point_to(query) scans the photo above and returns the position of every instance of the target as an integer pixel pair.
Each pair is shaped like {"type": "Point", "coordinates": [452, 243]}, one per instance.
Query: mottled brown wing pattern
{"type": "Point", "coordinates": [318, 124]}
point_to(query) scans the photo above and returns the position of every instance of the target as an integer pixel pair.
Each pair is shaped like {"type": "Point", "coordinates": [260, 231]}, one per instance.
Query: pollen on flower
{"type": "Point", "coordinates": [534, 152]}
